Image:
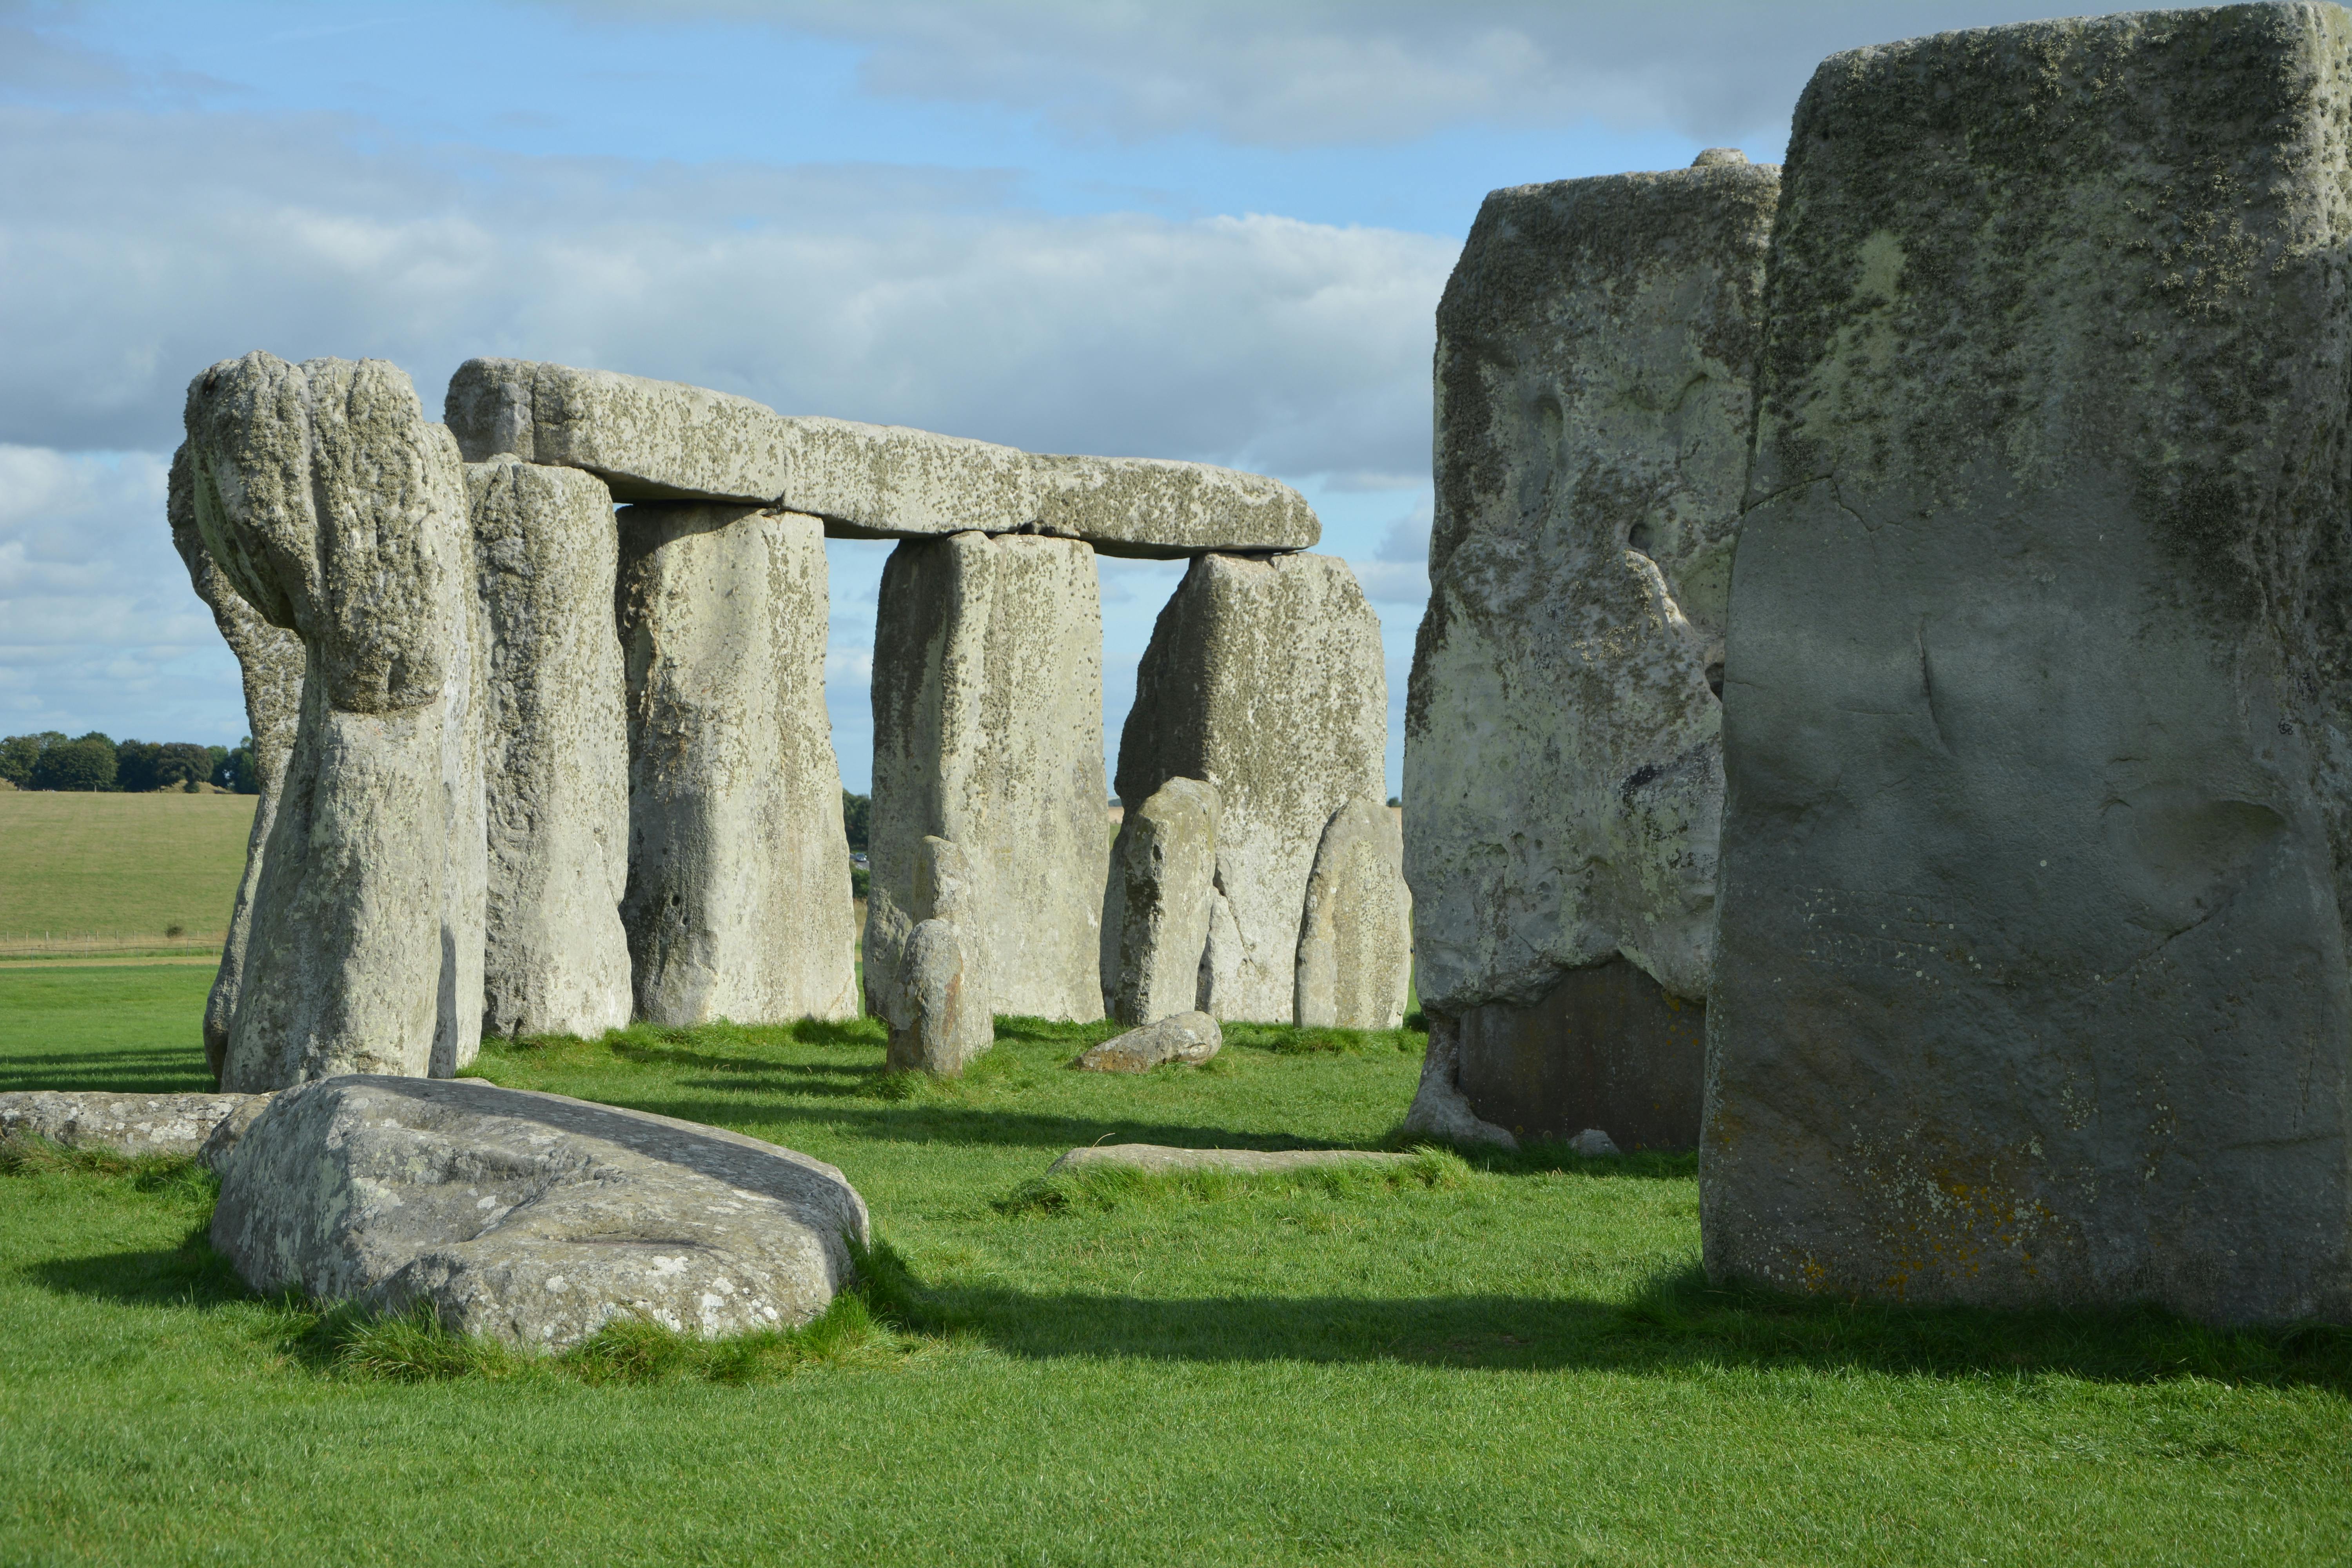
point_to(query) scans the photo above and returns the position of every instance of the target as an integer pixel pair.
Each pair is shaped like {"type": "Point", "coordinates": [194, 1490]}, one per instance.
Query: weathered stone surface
{"type": "Point", "coordinates": [271, 660]}
{"type": "Point", "coordinates": [1264, 678]}
{"type": "Point", "coordinates": [1593, 1143]}
{"type": "Point", "coordinates": [737, 902]}
{"type": "Point", "coordinates": [132, 1124]}
{"type": "Point", "coordinates": [530, 1216]}
{"type": "Point", "coordinates": [988, 733]}
{"type": "Point", "coordinates": [1163, 872]}
{"type": "Point", "coordinates": [221, 1144]}
{"type": "Point", "coordinates": [1191, 1037]}
{"type": "Point", "coordinates": [662, 440]}
{"type": "Point", "coordinates": [338, 513]}
{"type": "Point", "coordinates": [1355, 937]}
{"type": "Point", "coordinates": [556, 751]}
{"type": "Point", "coordinates": [2031, 984]}
{"type": "Point", "coordinates": [1439, 1107]}
{"type": "Point", "coordinates": [1157, 1157]}
{"type": "Point", "coordinates": [1560, 1064]}
{"type": "Point", "coordinates": [940, 1018]}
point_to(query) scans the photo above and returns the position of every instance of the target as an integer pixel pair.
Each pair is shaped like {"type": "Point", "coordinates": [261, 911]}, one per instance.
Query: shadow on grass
{"type": "Point", "coordinates": [1678, 1324]}
{"type": "Point", "coordinates": [156, 1070]}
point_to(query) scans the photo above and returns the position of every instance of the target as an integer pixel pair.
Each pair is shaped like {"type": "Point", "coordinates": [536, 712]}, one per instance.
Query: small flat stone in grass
{"type": "Point", "coordinates": [1191, 1037]}
{"type": "Point", "coordinates": [1249, 1162]}
{"type": "Point", "coordinates": [130, 1124]}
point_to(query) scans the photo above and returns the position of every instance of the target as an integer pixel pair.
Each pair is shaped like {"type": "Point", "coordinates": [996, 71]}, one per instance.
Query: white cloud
{"type": "Point", "coordinates": [1399, 572]}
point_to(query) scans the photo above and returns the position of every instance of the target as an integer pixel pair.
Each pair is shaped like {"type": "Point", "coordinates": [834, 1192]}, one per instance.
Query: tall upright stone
{"type": "Point", "coordinates": [1564, 771]}
{"type": "Point", "coordinates": [2032, 984]}
{"type": "Point", "coordinates": [1355, 935]}
{"type": "Point", "coordinates": [988, 733]}
{"type": "Point", "coordinates": [270, 660]}
{"type": "Point", "coordinates": [340, 514]}
{"type": "Point", "coordinates": [1264, 678]}
{"type": "Point", "coordinates": [556, 751]}
{"type": "Point", "coordinates": [1156, 905]}
{"type": "Point", "coordinates": [738, 903]}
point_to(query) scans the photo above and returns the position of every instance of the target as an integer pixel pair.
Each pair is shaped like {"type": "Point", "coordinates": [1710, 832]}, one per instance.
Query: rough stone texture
{"type": "Point", "coordinates": [1593, 1143]}
{"type": "Point", "coordinates": [1157, 1157]}
{"type": "Point", "coordinates": [1355, 936]}
{"type": "Point", "coordinates": [534, 1217]}
{"type": "Point", "coordinates": [271, 660]}
{"type": "Point", "coordinates": [132, 1124]}
{"type": "Point", "coordinates": [220, 1146]}
{"type": "Point", "coordinates": [1439, 1107]}
{"type": "Point", "coordinates": [1181, 1037]}
{"type": "Point", "coordinates": [556, 751]}
{"type": "Point", "coordinates": [988, 732]}
{"type": "Point", "coordinates": [1163, 872]}
{"type": "Point", "coordinates": [941, 1017]}
{"type": "Point", "coordinates": [1560, 1065]}
{"type": "Point", "coordinates": [663, 440]}
{"type": "Point", "coordinates": [1264, 678]}
{"type": "Point", "coordinates": [338, 513]}
{"type": "Point", "coordinates": [737, 902]}
{"type": "Point", "coordinates": [2031, 984]}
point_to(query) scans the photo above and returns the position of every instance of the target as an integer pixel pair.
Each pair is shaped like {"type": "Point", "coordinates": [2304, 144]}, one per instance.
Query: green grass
{"type": "Point", "coordinates": [131, 865]}
{"type": "Point", "coordinates": [1479, 1359]}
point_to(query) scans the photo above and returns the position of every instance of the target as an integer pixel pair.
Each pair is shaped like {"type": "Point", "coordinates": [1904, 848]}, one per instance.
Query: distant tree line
{"type": "Point", "coordinates": [96, 762]}
{"type": "Point", "coordinates": [857, 815]}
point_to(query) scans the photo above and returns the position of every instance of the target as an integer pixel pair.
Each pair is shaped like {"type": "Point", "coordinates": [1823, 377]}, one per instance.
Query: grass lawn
{"type": "Point", "coordinates": [125, 866]}
{"type": "Point", "coordinates": [1505, 1361]}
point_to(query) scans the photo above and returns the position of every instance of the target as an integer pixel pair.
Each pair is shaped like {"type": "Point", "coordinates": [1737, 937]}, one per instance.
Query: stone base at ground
{"type": "Point", "coordinates": [132, 1124]}
{"type": "Point", "coordinates": [1158, 1157]}
{"type": "Point", "coordinates": [1180, 1037]}
{"type": "Point", "coordinates": [1606, 1048]}
{"type": "Point", "coordinates": [532, 1217]}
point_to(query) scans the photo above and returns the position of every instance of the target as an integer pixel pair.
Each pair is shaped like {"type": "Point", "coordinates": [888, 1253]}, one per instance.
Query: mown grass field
{"type": "Point", "coordinates": [126, 866]}
{"type": "Point", "coordinates": [1501, 1362]}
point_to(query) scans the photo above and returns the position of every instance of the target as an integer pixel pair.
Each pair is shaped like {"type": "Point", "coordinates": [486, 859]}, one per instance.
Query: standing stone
{"type": "Point", "coordinates": [338, 513]}
{"type": "Point", "coordinates": [1264, 678]}
{"type": "Point", "coordinates": [2031, 987]}
{"type": "Point", "coordinates": [1355, 939]}
{"type": "Point", "coordinates": [739, 903]}
{"type": "Point", "coordinates": [988, 732]}
{"type": "Point", "coordinates": [1163, 873]}
{"type": "Point", "coordinates": [937, 999]}
{"type": "Point", "coordinates": [270, 659]}
{"type": "Point", "coordinates": [1563, 772]}
{"type": "Point", "coordinates": [556, 752]}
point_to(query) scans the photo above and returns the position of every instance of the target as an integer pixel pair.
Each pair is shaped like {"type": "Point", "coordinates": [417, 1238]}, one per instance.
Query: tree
{"type": "Point", "coordinates": [135, 763]}
{"type": "Point", "coordinates": [235, 771]}
{"type": "Point", "coordinates": [856, 814]}
{"type": "Point", "coordinates": [86, 764]}
{"type": "Point", "coordinates": [19, 753]}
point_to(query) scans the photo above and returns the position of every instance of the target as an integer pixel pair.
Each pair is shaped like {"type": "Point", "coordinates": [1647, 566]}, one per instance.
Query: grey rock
{"type": "Point", "coordinates": [941, 1017]}
{"type": "Point", "coordinates": [556, 751]}
{"type": "Point", "coordinates": [1264, 678]}
{"type": "Point", "coordinates": [133, 1125]}
{"type": "Point", "coordinates": [1608, 1044]}
{"type": "Point", "coordinates": [220, 1145]}
{"type": "Point", "coordinates": [2031, 984]}
{"type": "Point", "coordinates": [340, 514]}
{"type": "Point", "coordinates": [660, 440]}
{"type": "Point", "coordinates": [1440, 1110]}
{"type": "Point", "coordinates": [270, 660]}
{"type": "Point", "coordinates": [1592, 1143]}
{"type": "Point", "coordinates": [1190, 1038]}
{"type": "Point", "coordinates": [988, 733]}
{"type": "Point", "coordinates": [1159, 1157]}
{"type": "Point", "coordinates": [1355, 937]}
{"type": "Point", "coordinates": [738, 903]}
{"type": "Point", "coordinates": [532, 1217]}
{"type": "Point", "coordinates": [1156, 908]}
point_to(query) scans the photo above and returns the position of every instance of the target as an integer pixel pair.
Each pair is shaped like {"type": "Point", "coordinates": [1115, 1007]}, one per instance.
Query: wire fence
{"type": "Point", "coordinates": [108, 943]}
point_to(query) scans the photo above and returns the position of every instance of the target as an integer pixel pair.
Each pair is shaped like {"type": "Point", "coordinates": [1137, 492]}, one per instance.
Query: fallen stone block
{"type": "Point", "coordinates": [738, 903]}
{"type": "Point", "coordinates": [1158, 1157]}
{"type": "Point", "coordinates": [1355, 936]}
{"type": "Point", "coordinates": [660, 440]}
{"type": "Point", "coordinates": [1596, 364]}
{"type": "Point", "coordinates": [531, 1217]}
{"type": "Point", "coordinates": [1265, 678]}
{"type": "Point", "coordinates": [1188, 1037]}
{"type": "Point", "coordinates": [271, 661]}
{"type": "Point", "coordinates": [129, 1124]}
{"type": "Point", "coordinates": [1156, 912]}
{"type": "Point", "coordinates": [987, 697]}
{"type": "Point", "coordinates": [556, 745]}
{"type": "Point", "coordinates": [340, 514]}
{"type": "Point", "coordinates": [2031, 988]}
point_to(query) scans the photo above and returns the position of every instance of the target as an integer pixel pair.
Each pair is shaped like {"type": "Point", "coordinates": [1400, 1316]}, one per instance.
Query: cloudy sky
{"type": "Point", "coordinates": [1212, 230]}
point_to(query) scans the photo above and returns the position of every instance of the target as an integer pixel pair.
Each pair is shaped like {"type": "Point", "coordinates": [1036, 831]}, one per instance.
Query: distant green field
{"type": "Point", "coordinates": [1511, 1359]}
{"type": "Point", "coordinates": [129, 867]}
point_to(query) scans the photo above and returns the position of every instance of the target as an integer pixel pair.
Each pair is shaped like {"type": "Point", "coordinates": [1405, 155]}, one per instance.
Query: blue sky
{"type": "Point", "coordinates": [1212, 230]}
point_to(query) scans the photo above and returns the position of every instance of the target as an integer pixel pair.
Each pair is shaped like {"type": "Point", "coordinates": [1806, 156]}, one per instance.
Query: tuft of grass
{"type": "Point", "coordinates": [1284, 1040]}
{"type": "Point", "coordinates": [26, 1154]}
{"type": "Point", "coordinates": [1105, 1189]}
